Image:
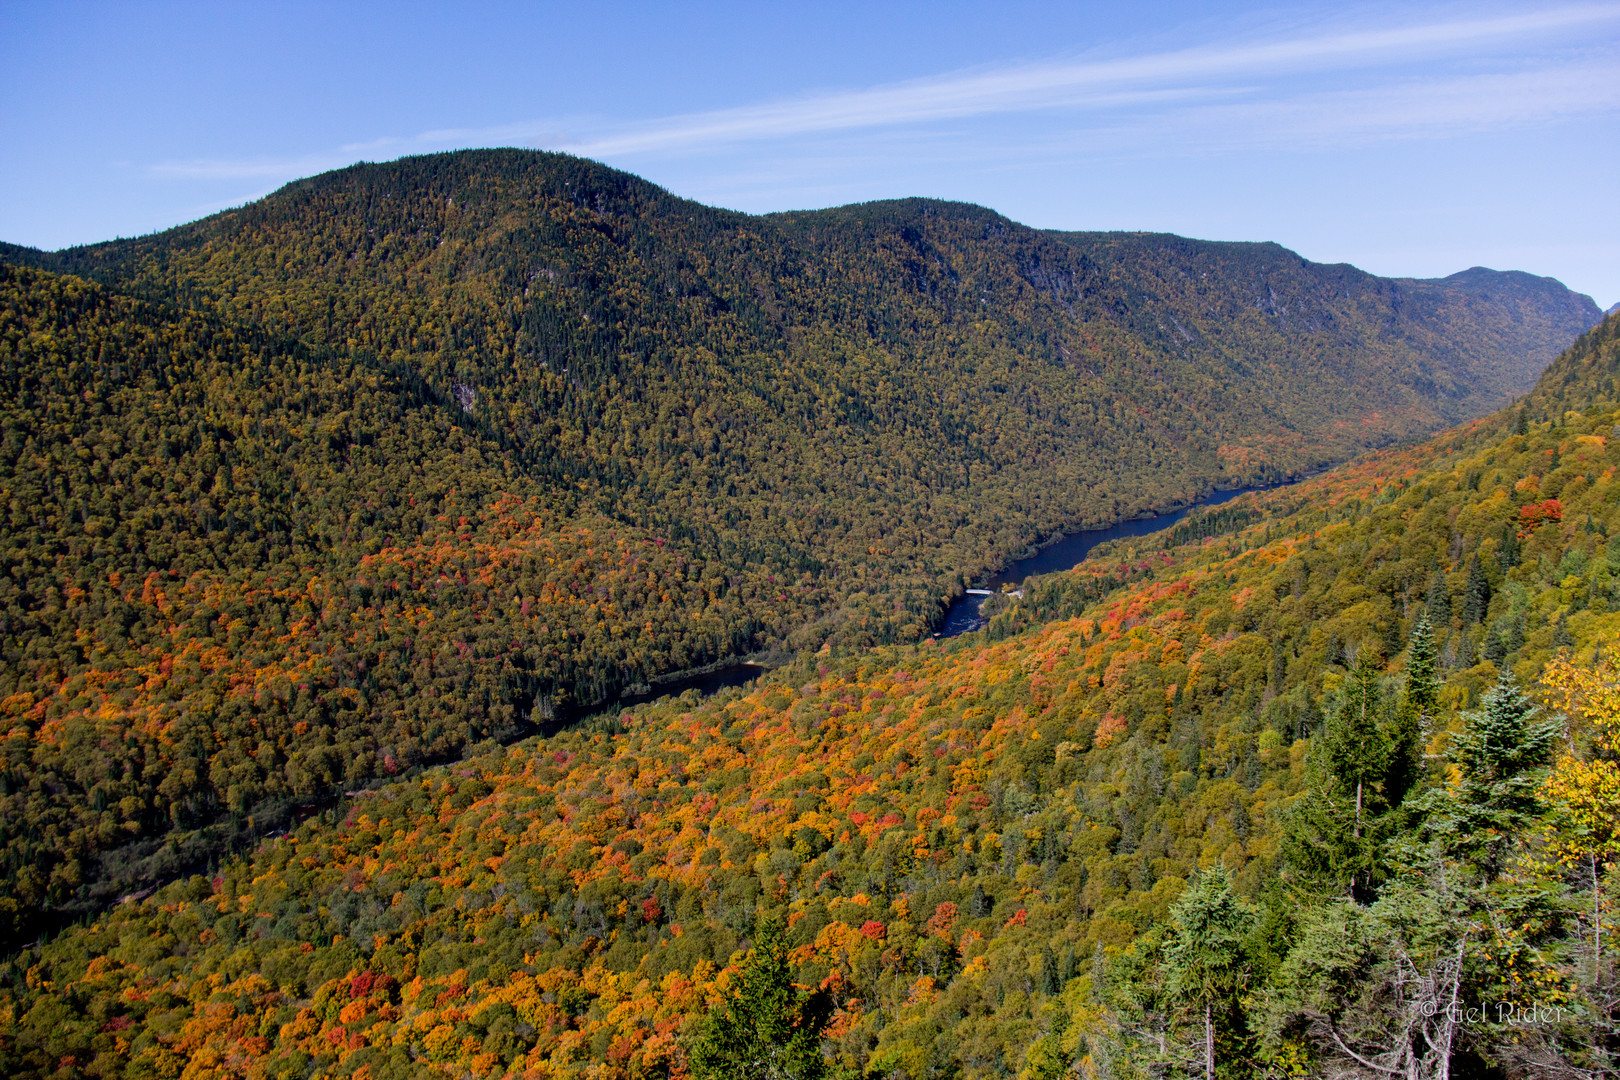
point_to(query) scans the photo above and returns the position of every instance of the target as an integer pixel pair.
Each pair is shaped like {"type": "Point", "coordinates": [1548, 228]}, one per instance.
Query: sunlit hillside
{"type": "Point", "coordinates": [1001, 855]}
{"type": "Point", "coordinates": [408, 456]}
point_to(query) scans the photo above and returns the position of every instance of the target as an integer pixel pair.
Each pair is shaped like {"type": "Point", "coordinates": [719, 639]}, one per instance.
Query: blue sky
{"type": "Point", "coordinates": [1408, 139]}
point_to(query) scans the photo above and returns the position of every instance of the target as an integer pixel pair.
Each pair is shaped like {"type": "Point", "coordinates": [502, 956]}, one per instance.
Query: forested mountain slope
{"type": "Point", "coordinates": [995, 857]}
{"type": "Point", "coordinates": [1262, 301]}
{"type": "Point", "coordinates": [743, 377]}
{"type": "Point", "coordinates": [239, 573]}
{"type": "Point", "coordinates": [331, 485]}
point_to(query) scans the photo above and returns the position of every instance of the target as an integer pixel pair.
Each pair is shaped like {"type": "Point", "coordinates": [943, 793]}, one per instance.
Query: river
{"type": "Point", "coordinates": [1067, 553]}
{"type": "Point", "coordinates": [962, 616]}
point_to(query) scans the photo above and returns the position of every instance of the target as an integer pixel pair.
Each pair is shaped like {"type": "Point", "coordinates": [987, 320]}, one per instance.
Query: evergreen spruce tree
{"type": "Point", "coordinates": [1502, 754]}
{"type": "Point", "coordinates": [1205, 960]}
{"type": "Point", "coordinates": [1329, 839]}
{"type": "Point", "coordinates": [1476, 593]}
{"type": "Point", "coordinates": [1356, 745]}
{"type": "Point", "coordinates": [979, 904]}
{"type": "Point", "coordinates": [1467, 651]}
{"type": "Point", "coordinates": [1051, 978]}
{"type": "Point", "coordinates": [1368, 983]}
{"type": "Point", "coordinates": [1139, 1008]}
{"type": "Point", "coordinates": [1515, 636]}
{"type": "Point", "coordinates": [1562, 638]}
{"type": "Point", "coordinates": [1310, 719]}
{"type": "Point", "coordinates": [1369, 986]}
{"type": "Point", "coordinates": [1404, 733]}
{"type": "Point", "coordinates": [1439, 599]}
{"type": "Point", "coordinates": [1360, 975]}
{"type": "Point", "coordinates": [768, 1029]}
{"type": "Point", "coordinates": [1422, 661]}
{"type": "Point", "coordinates": [1507, 550]}
{"type": "Point", "coordinates": [1496, 649]}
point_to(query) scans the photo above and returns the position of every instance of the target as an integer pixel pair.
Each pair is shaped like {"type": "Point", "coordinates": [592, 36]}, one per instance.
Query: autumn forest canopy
{"type": "Point", "coordinates": [334, 524]}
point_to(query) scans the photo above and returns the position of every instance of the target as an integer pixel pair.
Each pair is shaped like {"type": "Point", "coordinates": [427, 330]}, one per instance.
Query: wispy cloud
{"type": "Point", "coordinates": [385, 147]}
{"type": "Point", "coordinates": [1188, 89]}
{"type": "Point", "coordinates": [1405, 108]}
{"type": "Point", "coordinates": [261, 168]}
{"type": "Point", "coordinates": [1100, 84]}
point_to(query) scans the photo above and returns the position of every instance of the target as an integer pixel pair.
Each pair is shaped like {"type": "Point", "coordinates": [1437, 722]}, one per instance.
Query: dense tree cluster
{"type": "Point", "coordinates": [408, 456]}
{"type": "Point", "coordinates": [239, 574]}
{"type": "Point", "coordinates": [1259, 808]}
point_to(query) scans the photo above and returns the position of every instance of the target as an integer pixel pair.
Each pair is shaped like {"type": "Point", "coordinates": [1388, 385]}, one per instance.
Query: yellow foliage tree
{"type": "Point", "coordinates": [1586, 789]}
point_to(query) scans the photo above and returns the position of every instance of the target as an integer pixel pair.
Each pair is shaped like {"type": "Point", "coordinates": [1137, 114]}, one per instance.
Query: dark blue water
{"type": "Point", "coordinates": [1067, 553]}
{"type": "Point", "coordinates": [962, 617]}
{"type": "Point", "coordinates": [706, 683]}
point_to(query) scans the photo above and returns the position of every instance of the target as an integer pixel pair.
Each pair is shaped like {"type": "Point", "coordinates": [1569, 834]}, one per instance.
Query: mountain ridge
{"type": "Point", "coordinates": [345, 481]}
{"type": "Point", "coordinates": [618, 195]}
{"type": "Point", "coordinates": [488, 294]}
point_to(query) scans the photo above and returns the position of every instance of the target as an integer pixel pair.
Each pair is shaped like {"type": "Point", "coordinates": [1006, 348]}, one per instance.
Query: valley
{"type": "Point", "coordinates": [379, 559]}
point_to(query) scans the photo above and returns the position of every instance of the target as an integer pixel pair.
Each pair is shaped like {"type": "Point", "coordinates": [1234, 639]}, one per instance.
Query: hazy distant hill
{"type": "Point", "coordinates": [1477, 335]}
{"type": "Point", "coordinates": [347, 479]}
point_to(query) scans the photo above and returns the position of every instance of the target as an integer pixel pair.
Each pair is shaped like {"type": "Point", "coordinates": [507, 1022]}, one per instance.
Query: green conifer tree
{"type": "Point", "coordinates": [1439, 599]}
{"type": "Point", "coordinates": [1329, 839]}
{"type": "Point", "coordinates": [1205, 960]}
{"type": "Point", "coordinates": [1476, 593]}
{"type": "Point", "coordinates": [1515, 637]}
{"type": "Point", "coordinates": [1507, 549]}
{"type": "Point", "coordinates": [1422, 660]}
{"type": "Point", "coordinates": [1356, 745]}
{"type": "Point", "coordinates": [979, 904]}
{"type": "Point", "coordinates": [768, 1029]}
{"type": "Point", "coordinates": [1495, 648]}
{"type": "Point", "coordinates": [1404, 733]}
{"type": "Point", "coordinates": [1051, 979]}
{"type": "Point", "coordinates": [1562, 638]}
{"type": "Point", "coordinates": [1502, 754]}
